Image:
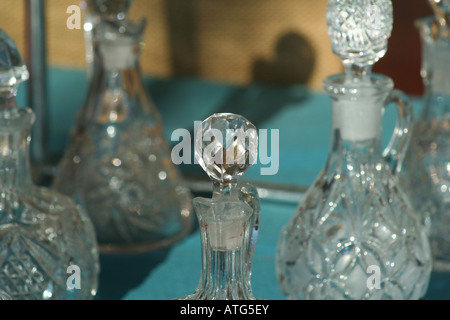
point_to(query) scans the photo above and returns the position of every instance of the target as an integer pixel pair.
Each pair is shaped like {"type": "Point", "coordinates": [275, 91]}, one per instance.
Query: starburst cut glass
{"type": "Point", "coordinates": [42, 233]}
{"type": "Point", "coordinates": [229, 222]}
{"type": "Point", "coordinates": [355, 235]}
{"type": "Point", "coordinates": [426, 173]}
{"type": "Point", "coordinates": [118, 163]}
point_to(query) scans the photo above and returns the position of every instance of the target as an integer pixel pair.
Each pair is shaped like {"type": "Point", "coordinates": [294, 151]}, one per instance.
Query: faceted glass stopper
{"type": "Point", "coordinates": [359, 29]}
{"type": "Point", "coordinates": [12, 68]}
{"type": "Point", "coordinates": [115, 25]}
{"type": "Point", "coordinates": [226, 146]}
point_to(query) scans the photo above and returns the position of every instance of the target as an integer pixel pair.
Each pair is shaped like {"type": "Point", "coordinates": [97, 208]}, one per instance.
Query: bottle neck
{"type": "Point", "coordinates": [225, 257]}
{"type": "Point", "coordinates": [227, 190]}
{"type": "Point", "coordinates": [8, 101]}
{"type": "Point", "coordinates": [15, 171]}
{"type": "Point", "coordinates": [435, 71]}
{"type": "Point", "coordinates": [357, 111]}
{"type": "Point", "coordinates": [356, 143]}
{"type": "Point", "coordinates": [436, 107]}
{"type": "Point", "coordinates": [116, 89]}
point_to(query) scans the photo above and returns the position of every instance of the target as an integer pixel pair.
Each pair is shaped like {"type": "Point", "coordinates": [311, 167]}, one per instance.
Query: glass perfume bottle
{"type": "Point", "coordinates": [42, 234]}
{"type": "Point", "coordinates": [426, 172]}
{"type": "Point", "coordinates": [118, 164]}
{"type": "Point", "coordinates": [355, 235]}
{"type": "Point", "coordinates": [226, 147]}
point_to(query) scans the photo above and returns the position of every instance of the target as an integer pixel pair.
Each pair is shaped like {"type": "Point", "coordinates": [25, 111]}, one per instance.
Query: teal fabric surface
{"type": "Point", "coordinates": [303, 119]}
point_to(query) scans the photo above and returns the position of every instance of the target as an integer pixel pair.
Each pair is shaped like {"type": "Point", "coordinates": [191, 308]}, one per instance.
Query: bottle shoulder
{"type": "Point", "coordinates": [42, 210]}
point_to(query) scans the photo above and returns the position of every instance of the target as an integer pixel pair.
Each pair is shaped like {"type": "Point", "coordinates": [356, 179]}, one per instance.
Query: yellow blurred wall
{"type": "Point", "coordinates": [283, 41]}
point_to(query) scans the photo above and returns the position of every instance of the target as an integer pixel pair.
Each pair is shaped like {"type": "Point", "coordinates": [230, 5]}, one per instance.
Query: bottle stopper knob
{"type": "Point", "coordinates": [359, 30]}
{"type": "Point", "coordinates": [13, 71]}
{"type": "Point", "coordinates": [226, 147]}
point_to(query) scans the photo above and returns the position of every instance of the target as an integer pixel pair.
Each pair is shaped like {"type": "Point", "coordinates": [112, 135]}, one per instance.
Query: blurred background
{"type": "Point", "coordinates": [233, 41]}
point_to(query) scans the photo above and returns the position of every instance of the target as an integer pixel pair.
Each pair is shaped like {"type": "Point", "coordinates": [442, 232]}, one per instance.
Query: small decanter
{"type": "Point", "coordinates": [226, 147]}
{"type": "Point", "coordinates": [426, 171]}
{"type": "Point", "coordinates": [355, 235]}
{"type": "Point", "coordinates": [118, 163]}
{"type": "Point", "coordinates": [43, 235]}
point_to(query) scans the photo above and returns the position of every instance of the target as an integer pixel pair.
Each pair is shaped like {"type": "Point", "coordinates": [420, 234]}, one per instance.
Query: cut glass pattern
{"type": "Point", "coordinates": [42, 233]}
{"type": "Point", "coordinates": [359, 29]}
{"type": "Point", "coordinates": [342, 229]}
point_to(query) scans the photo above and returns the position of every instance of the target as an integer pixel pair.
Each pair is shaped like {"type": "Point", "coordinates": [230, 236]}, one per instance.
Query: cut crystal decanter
{"type": "Point", "coordinates": [226, 147]}
{"type": "Point", "coordinates": [118, 164]}
{"type": "Point", "coordinates": [355, 235]}
{"type": "Point", "coordinates": [426, 172]}
{"type": "Point", "coordinates": [43, 235]}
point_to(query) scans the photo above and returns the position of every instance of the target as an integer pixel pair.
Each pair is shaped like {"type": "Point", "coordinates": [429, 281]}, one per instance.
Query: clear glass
{"type": "Point", "coordinates": [42, 233]}
{"type": "Point", "coordinates": [426, 173]}
{"type": "Point", "coordinates": [118, 163]}
{"type": "Point", "coordinates": [228, 233]}
{"type": "Point", "coordinates": [355, 235]}
{"type": "Point", "coordinates": [359, 29]}
{"type": "Point", "coordinates": [229, 222]}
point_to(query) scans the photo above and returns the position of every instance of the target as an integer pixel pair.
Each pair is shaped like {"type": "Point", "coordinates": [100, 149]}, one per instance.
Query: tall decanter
{"type": "Point", "coordinates": [226, 147]}
{"type": "Point", "coordinates": [426, 173]}
{"type": "Point", "coordinates": [355, 235]}
{"type": "Point", "coordinates": [48, 249]}
{"type": "Point", "coordinates": [118, 163]}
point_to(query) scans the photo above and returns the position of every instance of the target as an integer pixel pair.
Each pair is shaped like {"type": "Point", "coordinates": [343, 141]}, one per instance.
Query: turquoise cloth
{"type": "Point", "coordinates": [303, 119]}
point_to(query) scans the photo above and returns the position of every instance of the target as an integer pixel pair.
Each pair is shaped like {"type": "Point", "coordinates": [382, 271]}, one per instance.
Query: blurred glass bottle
{"type": "Point", "coordinates": [118, 163]}
{"type": "Point", "coordinates": [426, 172]}
{"type": "Point", "coordinates": [43, 235]}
